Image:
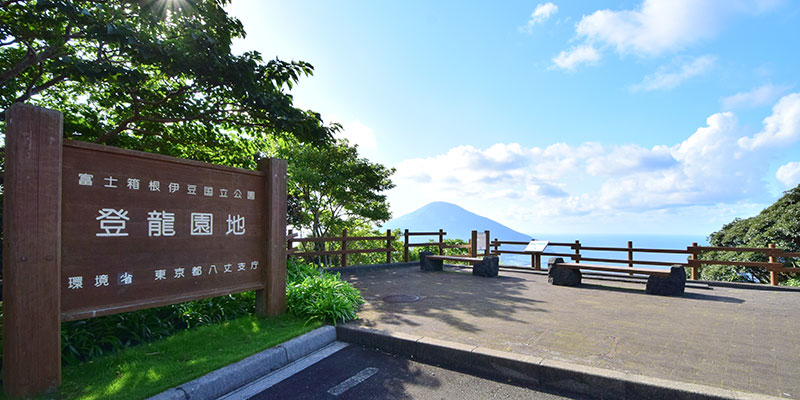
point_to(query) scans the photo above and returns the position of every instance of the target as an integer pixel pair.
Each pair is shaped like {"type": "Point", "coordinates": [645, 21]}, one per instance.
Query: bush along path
{"type": "Point", "coordinates": [152, 349]}
{"type": "Point", "coordinates": [319, 295]}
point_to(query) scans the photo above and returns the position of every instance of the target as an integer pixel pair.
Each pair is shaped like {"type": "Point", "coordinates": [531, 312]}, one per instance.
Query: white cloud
{"type": "Point", "coordinates": [780, 128]}
{"type": "Point", "coordinates": [758, 97]}
{"type": "Point", "coordinates": [789, 174]}
{"type": "Point", "coordinates": [627, 159]}
{"type": "Point", "coordinates": [541, 14]}
{"type": "Point", "coordinates": [657, 27]}
{"type": "Point", "coordinates": [708, 170]}
{"type": "Point", "coordinates": [583, 54]}
{"type": "Point", "coordinates": [358, 133]}
{"type": "Point", "coordinates": [666, 78]}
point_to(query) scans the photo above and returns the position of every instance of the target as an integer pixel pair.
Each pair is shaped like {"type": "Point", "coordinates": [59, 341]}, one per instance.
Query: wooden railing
{"type": "Point", "coordinates": [292, 238]}
{"type": "Point", "coordinates": [571, 250]}
{"type": "Point", "coordinates": [693, 260]}
{"type": "Point", "coordinates": [773, 255]}
{"type": "Point", "coordinates": [441, 245]}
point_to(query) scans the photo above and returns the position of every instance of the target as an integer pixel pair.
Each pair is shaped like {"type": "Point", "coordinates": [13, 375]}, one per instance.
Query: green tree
{"type": "Point", "coordinates": [151, 75]}
{"type": "Point", "coordinates": [331, 188]}
{"type": "Point", "coordinates": [777, 224]}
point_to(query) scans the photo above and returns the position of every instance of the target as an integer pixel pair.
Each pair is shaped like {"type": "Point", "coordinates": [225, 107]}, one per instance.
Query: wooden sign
{"type": "Point", "coordinates": [142, 230]}
{"type": "Point", "coordinates": [95, 230]}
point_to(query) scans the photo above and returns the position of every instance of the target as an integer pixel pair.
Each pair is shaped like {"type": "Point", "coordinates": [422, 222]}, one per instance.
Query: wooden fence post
{"type": "Point", "coordinates": [577, 247]}
{"type": "Point", "coordinates": [693, 261]}
{"type": "Point", "coordinates": [773, 275]}
{"type": "Point", "coordinates": [344, 247]}
{"type": "Point", "coordinates": [272, 299]}
{"type": "Point", "coordinates": [473, 249]}
{"type": "Point", "coordinates": [32, 251]}
{"type": "Point", "coordinates": [630, 256]}
{"type": "Point", "coordinates": [486, 245]}
{"type": "Point", "coordinates": [405, 247]}
{"type": "Point", "coordinates": [441, 241]}
{"type": "Point", "coordinates": [388, 246]}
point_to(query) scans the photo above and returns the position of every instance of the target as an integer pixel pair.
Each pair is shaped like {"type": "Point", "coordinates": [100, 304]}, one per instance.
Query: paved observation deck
{"type": "Point", "coordinates": [732, 338]}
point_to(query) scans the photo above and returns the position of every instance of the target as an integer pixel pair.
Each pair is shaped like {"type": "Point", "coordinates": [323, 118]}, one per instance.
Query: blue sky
{"type": "Point", "coordinates": [657, 116]}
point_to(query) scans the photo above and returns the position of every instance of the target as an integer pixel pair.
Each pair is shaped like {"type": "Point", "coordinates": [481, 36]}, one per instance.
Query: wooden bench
{"type": "Point", "coordinates": [487, 266]}
{"type": "Point", "coordinates": [659, 281]}
{"type": "Point", "coordinates": [466, 259]}
{"type": "Point", "coordinates": [616, 268]}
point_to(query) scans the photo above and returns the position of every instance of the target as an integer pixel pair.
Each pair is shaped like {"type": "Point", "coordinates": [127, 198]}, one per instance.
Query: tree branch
{"type": "Point", "coordinates": [121, 127]}
{"type": "Point", "coordinates": [30, 59]}
{"type": "Point", "coordinates": [33, 92]}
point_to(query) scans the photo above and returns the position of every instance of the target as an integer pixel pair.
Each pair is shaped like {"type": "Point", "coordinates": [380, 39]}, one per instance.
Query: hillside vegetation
{"type": "Point", "coordinates": [778, 224]}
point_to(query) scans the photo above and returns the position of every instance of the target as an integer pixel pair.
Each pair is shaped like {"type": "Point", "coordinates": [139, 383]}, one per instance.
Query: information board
{"type": "Point", "coordinates": [537, 246]}
{"type": "Point", "coordinates": [481, 242]}
{"type": "Point", "coordinates": [141, 230]}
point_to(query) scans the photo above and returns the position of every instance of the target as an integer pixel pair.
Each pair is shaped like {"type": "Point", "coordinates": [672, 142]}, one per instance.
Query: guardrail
{"type": "Point", "coordinates": [572, 250]}
{"type": "Point", "coordinates": [440, 244]}
{"type": "Point", "coordinates": [472, 246]}
{"type": "Point", "coordinates": [343, 240]}
{"type": "Point", "coordinates": [693, 252]}
{"type": "Point", "coordinates": [773, 255]}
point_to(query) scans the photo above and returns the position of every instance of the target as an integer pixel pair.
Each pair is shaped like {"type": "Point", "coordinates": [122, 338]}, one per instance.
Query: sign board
{"type": "Point", "coordinates": [537, 246]}
{"type": "Point", "coordinates": [95, 230]}
{"type": "Point", "coordinates": [141, 230]}
{"type": "Point", "coordinates": [481, 242]}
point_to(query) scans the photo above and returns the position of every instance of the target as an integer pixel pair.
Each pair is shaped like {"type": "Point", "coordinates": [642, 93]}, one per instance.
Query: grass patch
{"type": "Point", "coordinates": [143, 371]}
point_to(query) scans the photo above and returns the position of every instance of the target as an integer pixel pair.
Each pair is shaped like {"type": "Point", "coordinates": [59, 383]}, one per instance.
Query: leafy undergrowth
{"type": "Point", "coordinates": [143, 371]}
{"type": "Point", "coordinates": [791, 282]}
{"type": "Point", "coordinates": [320, 296]}
{"type": "Point", "coordinates": [90, 338]}
{"type": "Point", "coordinates": [138, 354]}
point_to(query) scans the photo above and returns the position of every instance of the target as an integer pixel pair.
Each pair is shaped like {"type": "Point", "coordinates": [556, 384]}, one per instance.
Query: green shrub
{"type": "Point", "coordinates": [791, 282]}
{"type": "Point", "coordinates": [317, 295]}
{"type": "Point", "coordinates": [311, 293]}
{"type": "Point", "coordinates": [89, 338]}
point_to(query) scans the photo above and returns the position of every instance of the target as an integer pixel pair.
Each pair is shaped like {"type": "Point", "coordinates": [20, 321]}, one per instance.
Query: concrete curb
{"type": "Point", "coordinates": [219, 382]}
{"type": "Point", "coordinates": [579, 379]}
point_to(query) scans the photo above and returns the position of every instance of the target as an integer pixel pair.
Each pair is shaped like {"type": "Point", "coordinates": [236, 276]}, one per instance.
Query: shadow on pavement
{"type": "Point", "coordinates": [641, 291]}
{"type": "Point", "coordinates": [445, 296]}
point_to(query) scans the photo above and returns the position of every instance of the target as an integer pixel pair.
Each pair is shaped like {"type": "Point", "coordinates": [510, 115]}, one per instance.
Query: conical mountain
{"type": "Point", "coordinates": [456, 221]}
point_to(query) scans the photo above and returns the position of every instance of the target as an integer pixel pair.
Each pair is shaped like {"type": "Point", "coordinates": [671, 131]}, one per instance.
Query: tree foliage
{"type": "Point", "coordinates": [155, 75]}
{"type": "Point", "coordinates": [777, 224]}
{"type": "Point", "coordinates": [331, 187]}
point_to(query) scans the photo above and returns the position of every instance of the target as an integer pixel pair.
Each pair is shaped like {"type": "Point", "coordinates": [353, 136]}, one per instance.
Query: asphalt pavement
{"type": "Point", "coordinates": [356, 372]}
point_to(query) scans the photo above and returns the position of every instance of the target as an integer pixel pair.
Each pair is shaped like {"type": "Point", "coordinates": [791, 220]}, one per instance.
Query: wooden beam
{"type": "Point", "coordinates": [388, 246]}
{"type": "Point", "coordinates": [473, 251]}
{"type": "Point", "coordinates": [773, 275]}
{"type": "Point", "coordinates": [405, 246]}
{"type": "Point", "coordinates": [272, 300]}
{"type": "Point", "coordinates": [32, 251]}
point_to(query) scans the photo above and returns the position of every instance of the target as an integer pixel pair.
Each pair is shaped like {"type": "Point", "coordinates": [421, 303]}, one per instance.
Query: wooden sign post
{"type": "Point", "coordinates": [93, 230]}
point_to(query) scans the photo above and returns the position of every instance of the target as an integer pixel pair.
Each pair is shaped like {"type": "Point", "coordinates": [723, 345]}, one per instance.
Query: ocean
{"type": "Point", "coordinates": [678, 242]}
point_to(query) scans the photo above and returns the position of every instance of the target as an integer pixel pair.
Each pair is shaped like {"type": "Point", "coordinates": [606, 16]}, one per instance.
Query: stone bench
{"type": "Point", "coordinates": [659, 281]}
{"type": "Point", "coordinates": [488, 266]}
